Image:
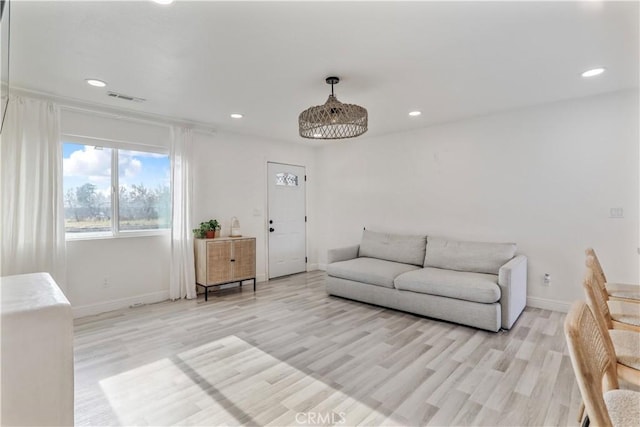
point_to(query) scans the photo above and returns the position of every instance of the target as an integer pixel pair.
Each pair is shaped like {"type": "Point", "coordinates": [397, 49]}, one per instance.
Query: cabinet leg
{"type": "Point", "coordinates": [206, 293]}
{"type": "Point", "coordinates": [254, 284]}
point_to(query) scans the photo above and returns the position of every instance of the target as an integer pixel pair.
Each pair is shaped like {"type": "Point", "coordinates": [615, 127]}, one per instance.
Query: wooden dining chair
{"type": "Point", "coordinates": [624, 343]}
{"type": "Point", "coordinates": [595, 368]}
{"type": "Point", "coordinates": [615, 291]}
{"type": "Point", "coordinates": [618, 314]}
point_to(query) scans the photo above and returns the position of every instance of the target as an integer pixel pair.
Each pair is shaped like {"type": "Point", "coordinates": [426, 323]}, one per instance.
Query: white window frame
{"type": "Point", "coordinates": [114, 146]}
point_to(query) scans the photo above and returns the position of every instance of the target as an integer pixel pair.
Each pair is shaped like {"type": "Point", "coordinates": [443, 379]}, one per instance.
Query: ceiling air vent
{"type": "Point", "coordinates": [124, 97]}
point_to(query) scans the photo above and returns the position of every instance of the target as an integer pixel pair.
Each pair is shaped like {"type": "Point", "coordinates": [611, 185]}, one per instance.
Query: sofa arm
{"type": "Point", "coordinates": [512, 279]}
{"type": "Point", "coordinates": [342, 254]}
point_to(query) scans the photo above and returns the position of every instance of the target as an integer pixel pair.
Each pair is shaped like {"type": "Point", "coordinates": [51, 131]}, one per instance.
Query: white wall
{"type": "Point", "coordinates": [229, 180]}
{"type": "Point", "coordinates": [96, 125]}
{"type": "Point", "coordinates": [542, 177]}
{"type": "Point", "coordinates": [136, 268]}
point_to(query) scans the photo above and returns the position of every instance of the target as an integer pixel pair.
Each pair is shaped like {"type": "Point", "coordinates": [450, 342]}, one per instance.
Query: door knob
{"type": "Point", "coordinates": [270, 221]}
{"type": "Point", "coordinates": [271, 230]}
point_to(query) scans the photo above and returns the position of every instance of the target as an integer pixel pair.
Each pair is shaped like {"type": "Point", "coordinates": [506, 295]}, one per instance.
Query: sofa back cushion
{"type": "Point", "coordinates": [393, 247]}
{"type": "Point", "coordinates": [467, 256]}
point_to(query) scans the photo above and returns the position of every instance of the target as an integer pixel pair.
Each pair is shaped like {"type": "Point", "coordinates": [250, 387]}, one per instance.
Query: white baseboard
{"type": "Point", "coordinates": [548, 304]}
{"type": "Point", "coordinates": [103, 307]}
{"type": "Point", "coordinates": [312, 267]}
{"type": "Point", "coordinates": [262, 277]}
{"type": "Point", "coordinates": [322, 267]}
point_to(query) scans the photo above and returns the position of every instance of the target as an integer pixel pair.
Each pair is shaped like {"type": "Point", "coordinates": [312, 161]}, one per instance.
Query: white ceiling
{"type": "Point", "coordinates": [202, 61]}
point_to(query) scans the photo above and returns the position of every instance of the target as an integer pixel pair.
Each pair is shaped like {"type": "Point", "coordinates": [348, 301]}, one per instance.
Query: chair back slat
{"type": "Point", "coordinates": [596, 297]}
{"type": "Point", "coordinates": [597, 268]}
{"type": "Point", "coordinates": [593, 361]}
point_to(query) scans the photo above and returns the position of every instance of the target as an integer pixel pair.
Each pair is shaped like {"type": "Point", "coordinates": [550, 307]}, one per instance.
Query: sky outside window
{"type": "Point", "coordinates": [143, 182]}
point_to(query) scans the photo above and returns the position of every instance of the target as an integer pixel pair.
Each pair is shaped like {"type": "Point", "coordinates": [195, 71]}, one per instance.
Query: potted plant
{"type": "Point", "coordinates": [207, 229]}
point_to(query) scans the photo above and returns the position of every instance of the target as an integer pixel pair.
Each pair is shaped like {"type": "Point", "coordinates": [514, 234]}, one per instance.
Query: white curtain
{"type": "Point", "coordinates": [32, 211]}
{"type": "Point", "coordinates": [182, 282]}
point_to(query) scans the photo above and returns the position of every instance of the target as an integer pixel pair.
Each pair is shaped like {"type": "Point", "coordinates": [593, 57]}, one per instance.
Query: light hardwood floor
{"type": "Point", "coordinates": [291, 355]}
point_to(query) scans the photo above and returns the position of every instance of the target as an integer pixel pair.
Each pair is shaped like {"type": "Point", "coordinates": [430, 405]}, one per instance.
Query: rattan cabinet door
{"type": "Point", "coordinates": [244, 254]}
{"type": "Point", "coordinates": [219, 265]}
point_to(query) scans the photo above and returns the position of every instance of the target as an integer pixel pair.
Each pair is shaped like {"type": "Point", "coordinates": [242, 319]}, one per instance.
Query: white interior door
{"type": "Point", "coordinates": [286, 219]}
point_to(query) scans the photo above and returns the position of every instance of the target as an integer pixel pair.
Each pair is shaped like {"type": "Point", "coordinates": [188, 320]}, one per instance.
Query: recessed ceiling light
{"type": "Point", "coordinates": [165, 2]}
{"type": "Point", "coordinates": [236, 116]}
{"type": "Point", "coordinates": [96, 82]}
{"type": "Point", "coordinates": [593, 72]}
{"type": "Point", "coordinates": [415, 113]}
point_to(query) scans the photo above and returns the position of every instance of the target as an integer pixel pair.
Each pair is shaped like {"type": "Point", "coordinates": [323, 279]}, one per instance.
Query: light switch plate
{"type": "Point", "coordinates": [616, 213]}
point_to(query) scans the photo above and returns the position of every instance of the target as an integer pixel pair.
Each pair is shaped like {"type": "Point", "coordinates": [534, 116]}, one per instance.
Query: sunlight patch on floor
{"type": "Point", "coordinates": [230, 382]}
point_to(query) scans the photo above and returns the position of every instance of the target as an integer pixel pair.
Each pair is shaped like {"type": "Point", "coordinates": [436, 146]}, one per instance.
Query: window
{"type": "Point", "coordinates": [142, 202]}
{"type": "Point", "coordinates": [287, 179]}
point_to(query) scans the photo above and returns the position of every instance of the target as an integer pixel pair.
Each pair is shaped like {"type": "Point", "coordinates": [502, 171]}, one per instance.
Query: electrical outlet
{"type": "Point", "coordinates": [546, 280]}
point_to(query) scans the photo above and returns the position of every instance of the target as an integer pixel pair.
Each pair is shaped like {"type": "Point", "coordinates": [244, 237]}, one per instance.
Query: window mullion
{"type": "Point", "coordinates": [115, 193]}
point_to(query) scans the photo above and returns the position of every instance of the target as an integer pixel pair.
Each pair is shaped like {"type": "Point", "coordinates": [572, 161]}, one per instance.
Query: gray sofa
{"type": "Point", "coordinates": [483, 285]}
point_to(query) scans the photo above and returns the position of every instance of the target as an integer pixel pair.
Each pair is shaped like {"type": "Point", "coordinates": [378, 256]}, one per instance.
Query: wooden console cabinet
{"type": "Point", "coordinates": [225, 260]}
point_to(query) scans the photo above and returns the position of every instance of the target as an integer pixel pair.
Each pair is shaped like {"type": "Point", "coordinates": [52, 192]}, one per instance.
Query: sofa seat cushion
{"type": "Point", "coordinates": [623, 290]}
{"type": "Point", "coordinates": [369, 270]}
{"type": "Point", "coordinates": [476, 257]}
{"type": "Point", "coordinates": [393, 247]}
{"type": "Point", "coordinates": [476, 287]}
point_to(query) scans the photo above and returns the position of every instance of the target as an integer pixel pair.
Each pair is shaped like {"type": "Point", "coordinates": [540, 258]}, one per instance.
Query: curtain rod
{"type": "Point", "coordinates": [112, 112]}
{"type": "Point", "coordinates": [149, 121]}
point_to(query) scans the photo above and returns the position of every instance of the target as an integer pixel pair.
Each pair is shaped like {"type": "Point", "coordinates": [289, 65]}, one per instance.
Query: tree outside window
{"type": "Point", "coordinates": [143, 199]}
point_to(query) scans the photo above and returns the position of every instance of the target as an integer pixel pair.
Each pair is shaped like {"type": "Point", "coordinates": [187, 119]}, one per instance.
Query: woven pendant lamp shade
{"type": "Point", "coordinates": [333, 120]}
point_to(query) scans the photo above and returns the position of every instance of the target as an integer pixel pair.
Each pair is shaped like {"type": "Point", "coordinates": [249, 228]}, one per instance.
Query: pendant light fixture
{"type": "Point", "coordinates": [333, 120]}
